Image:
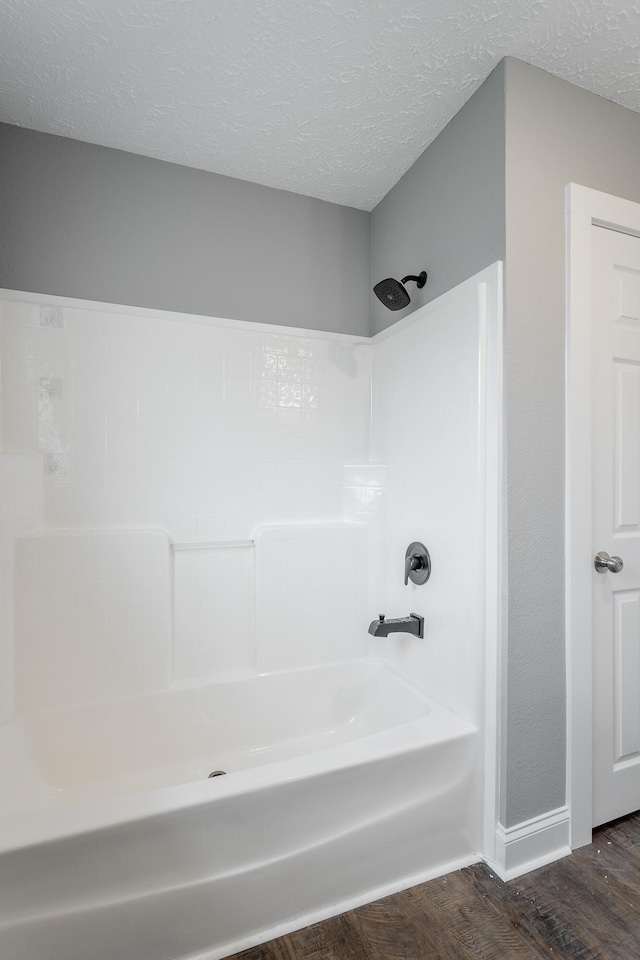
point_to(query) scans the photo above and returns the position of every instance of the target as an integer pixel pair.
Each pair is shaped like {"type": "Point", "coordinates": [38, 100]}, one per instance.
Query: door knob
{"type": "Point", "coordinates": [603, 562]}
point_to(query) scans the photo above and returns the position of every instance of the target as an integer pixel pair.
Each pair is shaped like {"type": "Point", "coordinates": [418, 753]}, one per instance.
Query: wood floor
{"type": "Point", "coordinates": [585, 907]}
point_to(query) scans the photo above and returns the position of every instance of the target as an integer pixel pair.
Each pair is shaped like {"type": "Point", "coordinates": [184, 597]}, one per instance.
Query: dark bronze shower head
{"type": "Point", "coordinates": [393, 293]}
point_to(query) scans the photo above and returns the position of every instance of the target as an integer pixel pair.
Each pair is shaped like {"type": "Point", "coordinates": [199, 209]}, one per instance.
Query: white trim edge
{"type": "Point", "coordinates": [531, 844]}
{"type": "Point", "coordinates": [492, 385]}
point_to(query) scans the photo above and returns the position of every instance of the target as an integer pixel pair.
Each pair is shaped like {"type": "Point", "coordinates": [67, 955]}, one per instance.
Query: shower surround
{"type": "Point", "coordinates": [202, 429]}
{"type": "Point", "coordinates": [200, 519]}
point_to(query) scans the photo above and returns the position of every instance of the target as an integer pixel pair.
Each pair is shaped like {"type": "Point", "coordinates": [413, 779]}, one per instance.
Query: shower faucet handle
{"type": "Point", "coordinates": [411, 563]}
{"type": "Point", "coordinates": [417, 563]}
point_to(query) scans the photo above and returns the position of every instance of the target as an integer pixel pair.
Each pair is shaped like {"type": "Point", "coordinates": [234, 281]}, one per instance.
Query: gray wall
{"type": "Point", "coordinates": [555, 133]}
{"type": "Point", "coordinates": [492, 186]}
{"type": "Point", "coordinates": [446, 214]}
{"type": "Point", "coordinates": [79, 220]}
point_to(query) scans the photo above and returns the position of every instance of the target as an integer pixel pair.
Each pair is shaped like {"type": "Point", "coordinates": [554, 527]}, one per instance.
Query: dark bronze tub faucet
{"type": "Point", "coordinates": [417, 568]}
{"type": "Point", "coordinates": [413, 624]}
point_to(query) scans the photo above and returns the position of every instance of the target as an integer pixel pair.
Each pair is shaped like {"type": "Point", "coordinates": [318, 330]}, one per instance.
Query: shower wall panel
{"type": "Point", "coordinates": [311, 594]}
{"type": "Point", "coordinates": [21, 510]}
{"type": "Point", "coordinates": [92, 616]}
{"type": "Point", "coordinates": [206, 429]}
{"type": "Point", "coordinates": [430, 426]}
{"type": "Point", "coordinates": [218, 432]}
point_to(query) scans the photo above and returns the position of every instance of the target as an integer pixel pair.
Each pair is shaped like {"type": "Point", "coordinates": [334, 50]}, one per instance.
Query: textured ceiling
{"type": "Point", "coordinates": [331, 98]}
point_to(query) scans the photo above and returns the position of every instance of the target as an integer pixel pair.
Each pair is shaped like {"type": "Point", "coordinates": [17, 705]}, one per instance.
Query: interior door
{"type": "Point", "coordinates": [616, 523]}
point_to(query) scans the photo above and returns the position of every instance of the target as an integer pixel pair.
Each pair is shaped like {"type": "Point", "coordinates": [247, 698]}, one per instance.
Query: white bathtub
{"type": "Point", "coordinates": [342, 784]}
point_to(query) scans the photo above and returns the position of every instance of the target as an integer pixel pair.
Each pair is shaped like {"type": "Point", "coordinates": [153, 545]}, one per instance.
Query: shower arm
{"type": "Point", "coordinates": [419, 280]}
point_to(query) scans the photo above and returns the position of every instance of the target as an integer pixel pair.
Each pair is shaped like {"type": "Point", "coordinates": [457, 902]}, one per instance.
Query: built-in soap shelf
{"type": "Point", "coordinates": [210, 544]}
{"type": "Point", "coordinates": [174, 545]}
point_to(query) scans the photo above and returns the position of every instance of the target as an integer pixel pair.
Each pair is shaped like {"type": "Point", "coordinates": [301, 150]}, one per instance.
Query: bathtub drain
{"type": "Point", "coordinates": [216, 773]}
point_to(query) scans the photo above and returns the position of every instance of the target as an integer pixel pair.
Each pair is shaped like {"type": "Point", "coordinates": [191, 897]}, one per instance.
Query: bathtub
{"type": "Point", "coordinates": [342, 783]}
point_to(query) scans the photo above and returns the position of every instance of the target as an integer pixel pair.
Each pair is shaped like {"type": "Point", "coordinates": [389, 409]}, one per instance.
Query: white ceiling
{"type": "Point", "coordinates": [331, 98]}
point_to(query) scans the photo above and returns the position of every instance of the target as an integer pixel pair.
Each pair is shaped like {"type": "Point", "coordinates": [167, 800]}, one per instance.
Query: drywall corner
{"type": "Point", "coordinates": [446, 215]}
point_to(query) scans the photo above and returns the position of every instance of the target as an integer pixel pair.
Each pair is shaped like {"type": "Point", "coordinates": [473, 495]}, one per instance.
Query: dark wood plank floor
{"type": "Point", "coordinates": [585, 907]}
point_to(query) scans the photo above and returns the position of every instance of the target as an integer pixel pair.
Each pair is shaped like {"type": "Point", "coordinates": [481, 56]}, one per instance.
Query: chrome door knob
{"type": "Point", "coordinates": [603, 563]}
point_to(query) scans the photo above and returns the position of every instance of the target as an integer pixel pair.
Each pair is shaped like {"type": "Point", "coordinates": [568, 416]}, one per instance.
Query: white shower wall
{"type": "Point", "coordinates": [208, 430]}
{"type": "Point", "coordinates": [219, 431]}
{"type": "Point", "coordinates": [21, 510]}
{"type": "Point", "coordinates": [435, 416]}
{"type": "Point", "coordinates": [204, 428]}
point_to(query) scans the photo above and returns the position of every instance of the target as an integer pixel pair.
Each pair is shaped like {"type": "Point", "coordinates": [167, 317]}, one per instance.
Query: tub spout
{"type": "Point", "coordinates": [413, 624]}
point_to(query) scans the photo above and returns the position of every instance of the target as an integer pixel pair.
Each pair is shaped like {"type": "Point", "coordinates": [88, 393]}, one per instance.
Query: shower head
{"type": "Point", "coordinates": [393, 294]}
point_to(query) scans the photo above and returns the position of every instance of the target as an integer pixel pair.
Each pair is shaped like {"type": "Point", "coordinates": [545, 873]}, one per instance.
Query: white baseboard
{"type": "Point", "coordinates": [531, 844]}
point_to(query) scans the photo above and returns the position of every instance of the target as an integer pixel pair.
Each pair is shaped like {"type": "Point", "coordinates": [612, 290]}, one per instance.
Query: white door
{"type": "Point", "coordinates": [616, 522]}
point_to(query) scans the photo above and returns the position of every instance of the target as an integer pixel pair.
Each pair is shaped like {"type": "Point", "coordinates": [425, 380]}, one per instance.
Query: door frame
{"type": "Point", "coordinates": [585, 208]}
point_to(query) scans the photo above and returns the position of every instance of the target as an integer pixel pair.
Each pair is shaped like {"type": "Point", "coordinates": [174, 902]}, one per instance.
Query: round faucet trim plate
{"type": "Point", "coordinates": [417, 563]}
